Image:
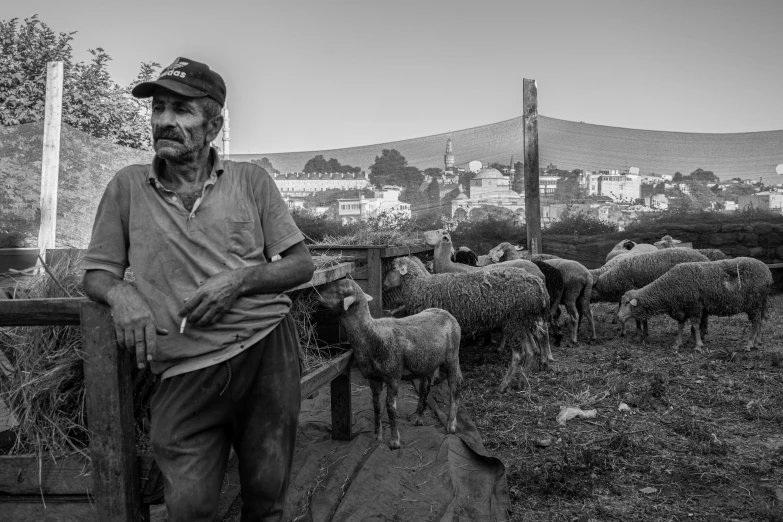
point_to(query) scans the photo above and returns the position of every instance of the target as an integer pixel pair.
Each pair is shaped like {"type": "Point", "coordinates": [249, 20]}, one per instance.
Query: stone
{"type": "Point", "coordinates": [721, 239]}
{"type": "Point", "coordinates": [749, 240]}
{"type": "Point", "coordinates": [732, 227]}
{"type": "Point", "coordinates": [762, 228]}
{"type": "Point", "coordinates": [756, 252]}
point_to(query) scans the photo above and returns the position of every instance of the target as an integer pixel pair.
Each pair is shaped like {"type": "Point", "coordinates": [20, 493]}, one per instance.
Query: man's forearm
{"type": "Point", "coordinates": [282, 275]}
{"type": "Point", "coordinates": [100, 285]}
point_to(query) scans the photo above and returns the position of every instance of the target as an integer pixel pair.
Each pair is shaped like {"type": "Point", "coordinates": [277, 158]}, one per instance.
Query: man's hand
{"type": "Point", "coordinates": [134, 322]}
{"type": "Point", "coordinates": [214, 298]}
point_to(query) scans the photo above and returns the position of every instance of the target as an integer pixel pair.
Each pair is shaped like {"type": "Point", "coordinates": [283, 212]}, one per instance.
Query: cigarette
{"type": "Point", "coordinates": [182, 326]}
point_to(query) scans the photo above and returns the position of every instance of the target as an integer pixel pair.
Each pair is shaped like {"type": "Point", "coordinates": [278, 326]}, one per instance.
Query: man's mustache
{"type": "Point", "coordinates": [166, 135]}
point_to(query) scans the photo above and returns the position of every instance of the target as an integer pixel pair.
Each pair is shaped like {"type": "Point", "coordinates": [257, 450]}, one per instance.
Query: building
{"type": "Point", "coordinates": [358, 209]}
{"type": "Point", "coordinates": [301, 184]}
{"type": "Point", "coordinates": [657, 202]}
{"type": "Point", "coordinates": [619, 187]}
{"type": "Point", "coordinates": [448, 158]}
{"type": "Point", "coordinates": [762, 200]}
{"type": "Point", "coordinates": [475, 166]}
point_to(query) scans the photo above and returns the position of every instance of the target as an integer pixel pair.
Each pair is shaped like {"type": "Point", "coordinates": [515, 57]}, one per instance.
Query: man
{"type": "Point", "coordinates": [198, 234]}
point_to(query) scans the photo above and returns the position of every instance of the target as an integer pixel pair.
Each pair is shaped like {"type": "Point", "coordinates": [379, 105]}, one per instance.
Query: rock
{"type": "Point", "coordinates": [762, 228]}
{"type": "Point", "coordinates": [756, 252]}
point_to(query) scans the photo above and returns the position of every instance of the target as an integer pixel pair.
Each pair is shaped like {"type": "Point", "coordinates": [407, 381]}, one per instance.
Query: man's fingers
{"type": "Point", "coordinates": [190, 304]}
{"type": "Point", "coordinates": [209, 317]}
{"type": "Point", "coordinates": [149, 338]}
{"type": "Point", "coordinates": [196, 315]}
{"type": "Point", "coordinates": [118, 332]}
{"type": "Point", "coordinates": [141, 348]}
{"type": "Point", "coordinates": [161, 331]}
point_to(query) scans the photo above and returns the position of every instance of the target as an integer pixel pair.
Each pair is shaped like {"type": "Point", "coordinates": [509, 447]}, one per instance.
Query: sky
{"type": "Point", "coordinates": [310, 75]}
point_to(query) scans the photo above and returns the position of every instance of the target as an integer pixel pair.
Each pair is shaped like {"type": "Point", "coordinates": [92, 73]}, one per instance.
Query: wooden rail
{"type": "Point", "coordinates": [113, 479]}
{"type": "Point", "coordinates": [370, 277]}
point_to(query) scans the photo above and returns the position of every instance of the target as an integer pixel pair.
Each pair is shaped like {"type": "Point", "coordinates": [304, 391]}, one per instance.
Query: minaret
{"type": "Point", "coordinates": [448, 158]}
{"type": "Point", "coordinates": [511, 166]}
{"type": "Point", "coordinates": [226, 130]}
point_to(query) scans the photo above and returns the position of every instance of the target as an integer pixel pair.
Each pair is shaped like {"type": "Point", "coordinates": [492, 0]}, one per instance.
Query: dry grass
{"type": "Point", "coordinates": [705, 430]}
{"type": "Point", "coordinates": [392, 237]}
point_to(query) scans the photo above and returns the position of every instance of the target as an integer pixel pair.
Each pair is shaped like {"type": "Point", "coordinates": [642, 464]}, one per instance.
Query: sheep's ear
{"type": "Point", "coordinates": [634, 302]}
{"type": "Point", "coordinates": [403, 270]}
{"type": "Point", "coordinates": [348, 301]}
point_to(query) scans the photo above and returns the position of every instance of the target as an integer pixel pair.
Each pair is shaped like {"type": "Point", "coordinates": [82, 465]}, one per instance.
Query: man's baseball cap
{"type": "Point", "coordinates": [188, 78]}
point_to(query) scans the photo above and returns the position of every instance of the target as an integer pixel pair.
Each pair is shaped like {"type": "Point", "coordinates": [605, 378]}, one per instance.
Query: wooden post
{"type": "Point", "coordinates": [50, 164]}
{"type": "Point", "coordinates": [532, 201]}
{"type": "Point", "coordinates": [340, 393]}
{"type": "Point", "coordinates": [375, 281]}
{"type": "Point", "coordinates": [109, 400]}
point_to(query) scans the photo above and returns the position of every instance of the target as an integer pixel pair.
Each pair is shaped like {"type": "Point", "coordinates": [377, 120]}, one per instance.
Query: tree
{"type": "Point", "coordinates": [319, 164]}
{"type": "Point", "coordinates": [92, 102]}
{"type": "Point", "coordinates": [677, 178]}
{"type": "Point", "coordinates": [433, 172]}
{"type": "Point", "coordinates": [704, 176]}
{"type": "Point", "coordinates": [391, 168]}
{"type": "Point", "coordinates": [265, 164]}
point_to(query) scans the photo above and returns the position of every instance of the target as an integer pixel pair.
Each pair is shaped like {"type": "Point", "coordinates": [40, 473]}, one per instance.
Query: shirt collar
{"type": "Point", "coordinates": [157, 164]}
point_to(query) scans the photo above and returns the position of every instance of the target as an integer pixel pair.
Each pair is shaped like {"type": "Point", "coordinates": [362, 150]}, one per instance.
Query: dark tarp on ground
{"type": "Point", "coordinates": [433, 477]}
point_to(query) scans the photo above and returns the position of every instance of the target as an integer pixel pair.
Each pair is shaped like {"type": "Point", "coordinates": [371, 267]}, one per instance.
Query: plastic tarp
{"type": "Point", "coordinates": [433, 477]}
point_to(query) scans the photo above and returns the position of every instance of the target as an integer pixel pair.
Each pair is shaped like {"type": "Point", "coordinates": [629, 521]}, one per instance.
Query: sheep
{"type": "Point", "coordinates": [506, 298]}
{"type": "Point", "coordinates": [577, 292]}
{"type": "Point", "coordinates": [507, 252]}
{"type": "Point", "coordinates": [713, 254]}
{"type": "Point", "coordinates": [667, 241]}
{"type": "Point", "coordinates": [636, 271]}
{"type": "Point", "coordinates": [637, 248]}
{"type": "Point", "coordinates": [443, 264]}
{"type": "Point", "coordinates": [465, 256]}
{"type": "Point", "coordinates": [388, 350]}
{"type": "Point", "coordinates": [695, 290]}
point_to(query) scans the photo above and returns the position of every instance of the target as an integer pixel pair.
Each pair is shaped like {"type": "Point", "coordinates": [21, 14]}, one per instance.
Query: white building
{"type": "Point", "coordinates": [762, 200]}
{"type": "Point", "coordinates": [301, 184]}
{"type": "Point", "coordinates": [475, 166]}
{"type": "Point", "coordinates": [386, 200]}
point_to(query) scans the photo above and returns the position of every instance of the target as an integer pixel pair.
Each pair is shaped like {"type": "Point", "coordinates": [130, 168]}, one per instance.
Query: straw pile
{"type": "Point", "coordinates": [43, 385]}
{"type": "Point", "coordinates": [362, 236]}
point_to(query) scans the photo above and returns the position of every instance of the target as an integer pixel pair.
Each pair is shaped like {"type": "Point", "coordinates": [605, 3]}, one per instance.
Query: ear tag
{"type": "Point", "coordinates": [634, 302]}
{"type": "Point", "coordinates": [348, 301]}
{"type": "Point", "coordinates": [403, 270]}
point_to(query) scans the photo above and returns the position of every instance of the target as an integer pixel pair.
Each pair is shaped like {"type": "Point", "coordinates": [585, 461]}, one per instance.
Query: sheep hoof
{"type": "Point", "coordinates": [418, 422]}
{"type": "Point", "coordinates": [394, 444]}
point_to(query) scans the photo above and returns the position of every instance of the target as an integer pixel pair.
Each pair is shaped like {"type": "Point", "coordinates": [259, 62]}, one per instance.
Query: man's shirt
{"type": "Point", "coordinates": [240, 220]}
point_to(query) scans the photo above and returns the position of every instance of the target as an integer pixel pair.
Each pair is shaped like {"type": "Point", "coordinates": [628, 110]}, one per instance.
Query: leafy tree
{"type": "Point", "coordinates": [265, 164]}
{"type": "Point", "coordinates": [327, 197]}
{"type": "Point", "coordinates": [92, 102]}
{"type": "Point", "coordinates": [677, 178]}
{"type": "Point", "coordinates": [704, 176]}
{"type": "Point", "coordinates": [391, 168]}
{"type": "Point", "coordinates": [320, 164]}
{"type": "Point", "coordinates": [567, 189]}
{"type": "Point", "coordinates": [434, 172]}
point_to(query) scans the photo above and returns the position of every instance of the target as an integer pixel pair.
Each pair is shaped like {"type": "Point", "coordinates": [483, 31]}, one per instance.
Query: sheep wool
{"type": "Point", "coordinates": [695, 290]}
{"type": "Point", "coordinates": [713, 254]}
{"type": "Point", "coordinates": [577, 292]}
{"type": "Point", "coordinates": [506, 298]}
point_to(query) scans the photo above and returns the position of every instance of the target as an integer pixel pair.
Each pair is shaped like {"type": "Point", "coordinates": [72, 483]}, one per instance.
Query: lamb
{"type": "Point", "coordinates": [577, 292]}
{"type": "Point", "coordinates": [443, 264]}
{"type": "Point", "coordinates": [636, 271]}
{"type": "Point", "coordinates": [465, 256]}
{"type": "Point", "coordinates": [388, 350]}
{"type": "Point", "coordinates": [621, 248]}
{"type": "Point", "coordinates": [695, 290]}
{"type": "Point", "coordinates": [506, 298]}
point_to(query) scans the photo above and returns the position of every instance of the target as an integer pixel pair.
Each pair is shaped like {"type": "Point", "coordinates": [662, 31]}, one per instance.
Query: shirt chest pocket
{"type": "Point", "coordinates": [240, 237]}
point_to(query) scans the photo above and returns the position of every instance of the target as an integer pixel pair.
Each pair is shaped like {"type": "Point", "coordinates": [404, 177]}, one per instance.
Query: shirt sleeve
{"type": "Point", "coordinates": [280, 230]}
{"type": "Point", "coordinates": [108, 248]}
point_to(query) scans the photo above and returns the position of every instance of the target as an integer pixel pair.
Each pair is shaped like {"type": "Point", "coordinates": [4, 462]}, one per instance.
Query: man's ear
{"type": "Point", "coordinates": [214, 127]}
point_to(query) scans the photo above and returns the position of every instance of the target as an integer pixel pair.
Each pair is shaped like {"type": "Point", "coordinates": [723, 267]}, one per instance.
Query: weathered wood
{"type": "Point", "coordinates": [40, 312]}
{"type": "Point", "coordinates": [397, 251]}
{"type": "Point", "coordinates": [19, 475]}
{"type": "Point", "coordinates": [62, 509]}
{"type": "Point", "coordinates": [360, 251]}
{"type": "Point", "coordinates": [375, 282]}
{"type": "Point", "coordinates": [532, 201]}
{"type": "Point", "coordinates": [775, 265]}
{"type": "Point", "coordinates": [108, 390]}
{"type": "Point", "coordinates": [312, 382]}
{"type": "Point", "coordinates": [341, 406]}
{"type": "Point", "coordinates": [50, 163]}
{"type": "Point", "coordinates": [327, 275]}
{"type": "Point", "coordinates": [359, 273]}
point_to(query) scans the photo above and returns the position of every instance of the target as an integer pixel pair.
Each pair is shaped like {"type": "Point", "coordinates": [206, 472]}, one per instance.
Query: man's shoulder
{"type": "Point", "coordinates": [245, 168]}
{"type": "Point", "coordinates": [131, 173]}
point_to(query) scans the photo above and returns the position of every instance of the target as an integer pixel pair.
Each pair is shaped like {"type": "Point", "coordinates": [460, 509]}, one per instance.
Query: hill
{"type": "Point", "coordinates": [571, 145]}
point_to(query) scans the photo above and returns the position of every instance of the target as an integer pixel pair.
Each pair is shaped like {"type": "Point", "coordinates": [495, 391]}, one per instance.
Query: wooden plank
{"type": "Point", "coordinates": [356, 252]}
{"type": "Point", "coordinates": [50, 163]}
{"type": "Point", "coordinates": [40, 312]}
{"type": "Point", "coordinates": [109, 401]}
{"type": "Point", "coordinates": [775, 265]}
{"type": "Point", "coordinates": [532, 201]}
{"type": "Point", "coordinates": [312, 382]}
{"type": "Point", "coordinates": [359, 273]}
{"type": "Point", "coordinates": [32, 509]}
{"type": "Point", "coordinates": [397, 251]}
{"type": "Point", "coordinates": [341, 406]}
{"type": "Point", "coordinates": [326, 275]}
{"type": "Point", "coordinates": [375, 282]}
{"type": "Point", "coordinates": [19, 475]}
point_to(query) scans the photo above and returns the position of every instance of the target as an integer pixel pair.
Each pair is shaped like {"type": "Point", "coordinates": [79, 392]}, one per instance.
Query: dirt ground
{"type": "Point", "coordinates": [703, 439]}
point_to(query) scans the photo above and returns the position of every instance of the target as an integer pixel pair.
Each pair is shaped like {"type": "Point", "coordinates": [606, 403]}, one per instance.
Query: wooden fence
{"type": "Point", "coordinates": [117, 485]}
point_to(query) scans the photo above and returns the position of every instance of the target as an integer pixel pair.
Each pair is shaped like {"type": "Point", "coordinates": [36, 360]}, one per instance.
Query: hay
{"type": "Point", "coordinates": [313, 352]}
{"type": "Point", "coordinates": [43, 384]}
{"type": "Point", "coordinates": [391, 237]}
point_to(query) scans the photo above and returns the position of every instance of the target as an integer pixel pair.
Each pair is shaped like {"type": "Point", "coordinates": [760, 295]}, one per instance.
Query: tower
{"type": "Point", "coordinates": [448, 158]}
{"type": "Point", "coordinates": [226, 130]}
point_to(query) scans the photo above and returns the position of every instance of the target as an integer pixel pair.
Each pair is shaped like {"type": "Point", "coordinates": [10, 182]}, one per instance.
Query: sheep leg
{"type": "Point", "coordinates": [376, 387]}
{"type": "Point", "coordinates": [455, 388]}
{"type": "Point", "coordinates": [638, 336]}
{"type": "Point", "coordinates": [530, 354]}
{"type": "Point", "coordinates": [703, 325]}
{"type": "Point", "coordinates": [584, 306]}
{"type": "Point", "coordinates": [697, 333]}
{"type": "Point", "coordinates": [678, 341]}
{"type": "Point", "coordinates": [391, 411]}
{"type": "Point", "coordinates": [424, 391]}
{"type": "Point", "coordinates": [616, 318]}
{"type": "Point", "coordinates": [502, 343]}
{"type": "Point", "coordinates": [516, 356]}
{"type": "Point", "coordinates": [573, 315]}
{"type": "Point", "coordinates": [755, 328]}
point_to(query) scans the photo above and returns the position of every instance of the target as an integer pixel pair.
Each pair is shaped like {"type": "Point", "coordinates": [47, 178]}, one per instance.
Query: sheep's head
{"type": "Point", "coordinates": [340, 295]}
{"type": "Point", "coordinates": [503, 252]}
{"type": "Point", "coordinates": [628, 305]}
{"type": "Point", "coordinates": [434, 238]}
{"type": "Point", "coordinates": [401, 267]}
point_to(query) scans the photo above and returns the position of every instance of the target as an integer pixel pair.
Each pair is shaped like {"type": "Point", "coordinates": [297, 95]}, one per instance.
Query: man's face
{"type": "Point", "coordinates": [179, 127]}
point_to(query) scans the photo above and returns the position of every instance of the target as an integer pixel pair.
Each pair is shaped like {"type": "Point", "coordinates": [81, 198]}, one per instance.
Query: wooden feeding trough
{"type": "Point", "coordinates": [116, 484]}
{"type": "Point", "coordinates": [370, 276]}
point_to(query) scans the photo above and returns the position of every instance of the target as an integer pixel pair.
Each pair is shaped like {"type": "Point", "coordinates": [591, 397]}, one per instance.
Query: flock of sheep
{"type": "Point", "coordinates": [519, 295]}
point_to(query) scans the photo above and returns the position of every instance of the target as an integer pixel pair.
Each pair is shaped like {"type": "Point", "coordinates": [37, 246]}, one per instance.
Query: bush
{"type": "Point", "coordinates": [685, 216]}
{"type": "Point", "coordinates": [580, 224]}
{"type": "Point", "coordinates": [482, 236]}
